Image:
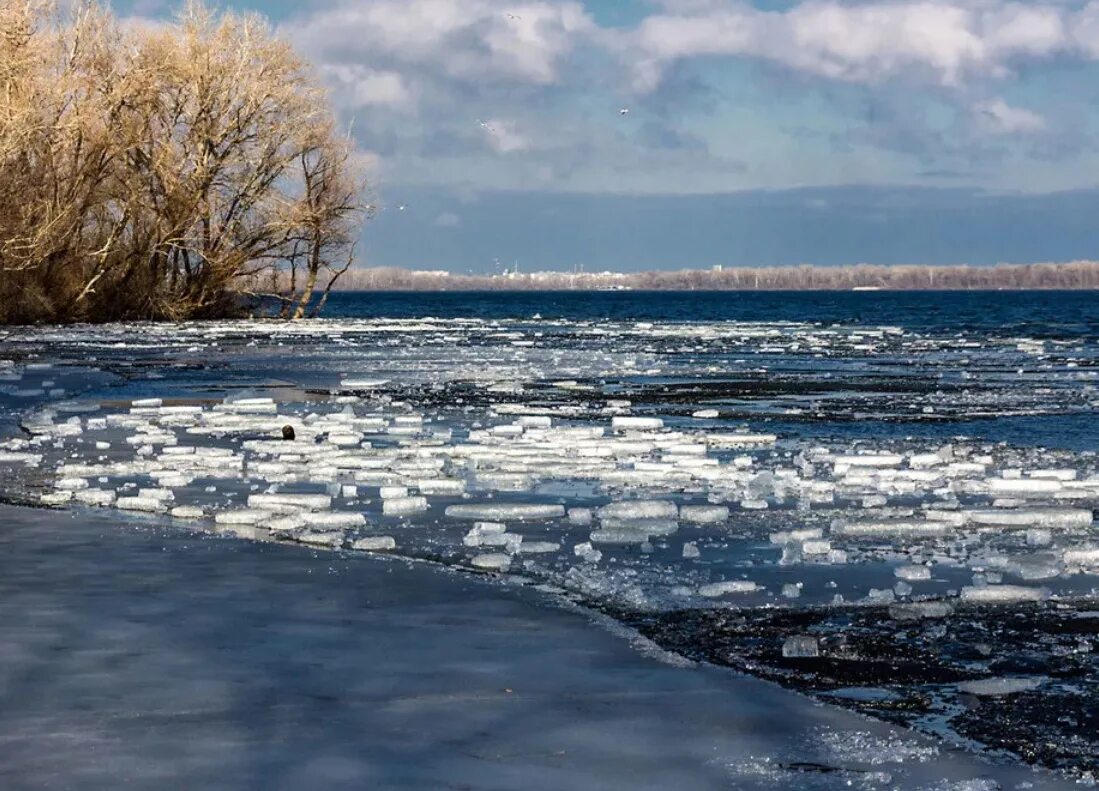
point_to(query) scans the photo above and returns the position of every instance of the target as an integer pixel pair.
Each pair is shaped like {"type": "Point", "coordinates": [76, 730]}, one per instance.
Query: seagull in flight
{"type": "Point", "coordinates": [624, 111]}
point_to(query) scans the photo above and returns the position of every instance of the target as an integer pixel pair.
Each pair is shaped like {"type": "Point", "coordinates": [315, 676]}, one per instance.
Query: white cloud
{"type": "Point", "coordinates": [997, 117]}
{"type": "Point", "coordinates": [944, 42]}
{"type": "Point", "coordinates": [357, 86]}
{"type": "Point", "coordinates": [503, 137]}
{"type": "Point", "coordinates": [447, 220]}
{"type": "Point", "coordinates": [467, 40]}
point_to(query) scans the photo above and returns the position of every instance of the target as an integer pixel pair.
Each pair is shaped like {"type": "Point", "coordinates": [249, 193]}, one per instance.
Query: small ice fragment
{"type": "Point", "coordinates": [715, 589]}
{"type": "Point", "coordinates": [1037, 537]}
{"type": "Point", "coordinates": [56, 498]}
{"type": "Point", "coordinates": [187, 512]}
{"type": "Point", "coordinates": [706, 414]}
{"type": "Point", "coordinates": [999, 687]}
{"type": "Point", "coordinates": [580, 516]}
{"type": "Point", "coordinates": [816, 547]}
{"type": "Point", "coordinates": [912, 573]}
{"type": "Point", "coordinates": [375, 544]}
{"type": "Point", "coordinates": [349, 492]}
{"type": "Point", "coordinates": [791, 590]}
{"type": "Point", "coordinates": [690, 550]}
{"type": "Point", "coordinates": [395, 492]}
{"type": "Point", "coordinates": [496, 561]}
{"type": "Point", "coordinates": [802, 646]}
{"type": "Point", "coordinates": [1085, 555]}
{"type": "Point", "coordinates": [587, 552]}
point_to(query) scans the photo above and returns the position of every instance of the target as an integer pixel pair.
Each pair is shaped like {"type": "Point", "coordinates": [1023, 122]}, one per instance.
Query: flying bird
{"type": "Point", "coordinates": [624, 111]}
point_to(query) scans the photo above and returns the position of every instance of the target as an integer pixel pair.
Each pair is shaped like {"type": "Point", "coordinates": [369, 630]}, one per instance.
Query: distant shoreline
{"type": "Point", "coordinates": [1070, 276]}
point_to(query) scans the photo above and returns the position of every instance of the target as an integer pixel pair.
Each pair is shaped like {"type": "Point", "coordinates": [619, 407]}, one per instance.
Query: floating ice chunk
{"type": "Point", "coordinates": [623, 423]}
{"type": "Point", "coordinates": [56, 498]}
{"type": "Point", "coordinates": [1038, 537]}
{"type": "Point", "coordinates": [881, 596]}
{"type": "Point", "coordinates": [918, 611]}
{"type": "Point", "coordinates": [72, 484]}
{"type": "Point", "coordinates": [716, 589]}
{"type": "Point", "coordinates": [349, 492]}
{"type": "Point", "coordinates": [802, 646]}
{"type": "Point", "coordinates": [619, 535]}
{"type": "Point", "coordinates": [285, 524]}
{"type": "Point", "coordinates": [791, 590]}
{"type": "Point", "coordinates": [363, 383]}
{"type": "Point", "coordinates": [516, 511]}
{"type": "Point", "coordinates": [495, 561]}
{"type": "Point", "coordinates": [337, 519]}
{"type": "Point", "coordinates": [704, 514]}
{"type": "Point", "coordinates": [333, 539]}
{"type": "Point", "coordinates": [1023, 486]}
{"type": "Point", "coordinates": [99, 497]}
{"type": "Point", "coordinates": [706, 414]}
{"type": "Point", "coordinates": [374, 544]}
{"type": "Point", "coordinates": [753, 505]}
{"type": "Point", "coordinates": [1085, 555]}
{"type": "Point", "coordinates": [1002, 594]}
{"type": "Point", "coordinates": [244, 516]}
{"type": "Point", "coordinates": [893, 528]}
{"type": "Point", "coordinates": [441, 486]}
{"type": "Point", "coordinates": [639, 509]}
{"type": "Point", "coordinates": [796, 536]}
{"type": "Point", "coordinates": [102, 446]}
{"type": "Point", "coordinates": [912, 573]}
{"type": "Point", "coordinates": [535, 421]}
{"type": "Point", "coordinates": [345, 440]}
{"type": "Point", "coordinates": [921, 461]}
{"type": "Point", "coordinates": [690, 550]}
{"type": "Point", "coordinates": [580, 516]}
{"type": "Point", "coordinates": [395, 492]}
{"type": "Point", "coordinates": [587, 552]}
{"type": "Point", "coordinates": [538, 547]}
{"type": "Point", "coordinates": [30, 459]}
{"type": "Point", "coordinates": [738, 440]}
{"type": "Point", "coordinates": [1065, 518]}
{"type": "Point", "coordinates": [164, 495]}
{"type": "Point", "coordinates": [999, 687]}
{"type": "Point", "coordinates": [313, 502]}
{"type": "Point", "coordinates": [816, 547]}
{"type": "Point", "coordinates": [148, 504]}
{"type": "Point", "coordinates": [187, 512]}
{"type": "Point", "coordinates": [400, 506]}
{"type": "Point", "coordinates": [147, 403]}
{"type": "Point", "coordinates": [869, 460]}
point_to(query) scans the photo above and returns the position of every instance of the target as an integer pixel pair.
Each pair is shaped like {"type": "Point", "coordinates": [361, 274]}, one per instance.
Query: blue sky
{"type": "Point", "coordinates": [815, 131]}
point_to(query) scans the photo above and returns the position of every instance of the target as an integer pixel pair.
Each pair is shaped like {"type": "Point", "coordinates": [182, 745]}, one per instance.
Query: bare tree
{"type": "Point", "coordinates": [162, 173]}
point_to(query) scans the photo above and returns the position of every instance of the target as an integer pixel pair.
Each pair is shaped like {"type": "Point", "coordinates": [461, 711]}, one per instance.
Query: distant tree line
{"type": "Point", "coordinates": [164, 172]}
{"type": "Point", "coordinates": [1074, 275]}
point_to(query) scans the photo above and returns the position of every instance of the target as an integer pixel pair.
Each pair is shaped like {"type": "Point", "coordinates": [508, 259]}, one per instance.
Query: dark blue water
{"type": "Point", "coordinates": [1048, 314]}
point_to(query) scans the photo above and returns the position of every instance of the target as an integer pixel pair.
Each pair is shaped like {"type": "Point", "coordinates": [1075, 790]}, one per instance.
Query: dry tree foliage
{"type": "Point", "coordinates": [162, 173]}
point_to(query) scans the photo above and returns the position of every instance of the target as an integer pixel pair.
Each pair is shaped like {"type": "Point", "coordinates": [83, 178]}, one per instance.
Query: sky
{"type": "Point", "coordinates": [634, 134]}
